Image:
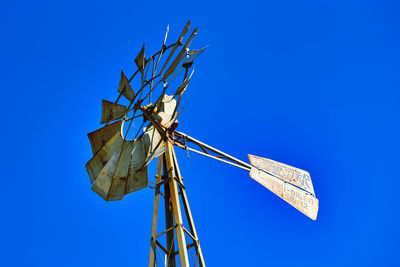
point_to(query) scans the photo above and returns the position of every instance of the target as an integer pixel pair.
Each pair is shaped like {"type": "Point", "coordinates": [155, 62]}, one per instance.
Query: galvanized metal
{"type": "Point", "coordinates": [152, 257]}
{"type": "Point", "coordinates": [285, 172]}
{"type": "Point", "coordinates": [111, 111]}
{"type": "Point", "coordinates": [137, 174]}
{"type": "Point", "coordinates": [154, 145]}
{"type": "Point", "coordinates": [125, 88]}
{"type": "Point", "coordinates": [101, 136]}
{"type": "Point", "coordinates": [99, 160]}
{"type": "Point", "coordinates": [214, 150]}
{"type": "Point", "coordinates": [300, 199]}
{"type": "Point", "coordinates": [216, 158]}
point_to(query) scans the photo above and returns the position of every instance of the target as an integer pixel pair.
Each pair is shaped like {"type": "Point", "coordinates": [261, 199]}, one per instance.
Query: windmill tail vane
{"type": "Point", "coordinates": [140, 126]}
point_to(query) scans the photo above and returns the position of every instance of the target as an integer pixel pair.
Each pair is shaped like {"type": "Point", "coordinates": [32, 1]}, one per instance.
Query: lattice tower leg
{"type": "Point", "coordinates": [171, 180]}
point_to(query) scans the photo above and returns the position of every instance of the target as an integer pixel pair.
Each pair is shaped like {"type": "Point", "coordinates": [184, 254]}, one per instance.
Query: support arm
{"type": "Point", "coordinates": [181, 140]}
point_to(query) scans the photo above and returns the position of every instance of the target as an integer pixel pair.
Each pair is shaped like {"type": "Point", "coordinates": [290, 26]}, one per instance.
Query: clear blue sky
{"type": "Point", "coordinates": [314, 84]}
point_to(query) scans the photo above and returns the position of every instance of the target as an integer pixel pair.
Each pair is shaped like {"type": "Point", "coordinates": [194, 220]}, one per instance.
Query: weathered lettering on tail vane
{"type": "Point", "coordinates": [285, 172]}
{"type": "Point", "coordinates": [291, 184]}
{"type": "Point", "coordinates": [301, 200]}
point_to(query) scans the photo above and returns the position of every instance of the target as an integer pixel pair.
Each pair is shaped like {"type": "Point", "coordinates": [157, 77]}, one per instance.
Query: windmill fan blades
{"type": "Point", "coordinates": [193, 56]}
{"type": "Point", "coordinates": [111, 180]}
{"type": "Point", "coordinates": [98, 161]}
{"type": "Point", "coordinates": [137, 174]}
{"type": "Point", "coordinates": [112, 111]}
{"type": "Point", "coordinates": [125, 88]}
{"type": "Point", "coordinates": [119, 167]}
{"type": "Point", "coordinates": [284, 181]}
{"type": "Point", "coordinates": [101, 136]}
{"type": "Point", "coordinates": [185, 30]}
{"type": "Point", "coordinates": [187, 63]}
{"type": "Point", "coordinates": [182, 88]}
{"type": "Point", "coordinates": [180, 56]}
{"type": "Point", "coordinates": [140, 60]}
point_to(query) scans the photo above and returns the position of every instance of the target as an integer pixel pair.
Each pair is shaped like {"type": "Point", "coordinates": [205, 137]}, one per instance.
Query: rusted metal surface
{"type": "Point", "coordinates": [111, 111]}
{"type": "Point", "coordinates": [154, 145]}
{"type": "Point", "coordinates": [101, 136]}
{"type": "Point", "coordinates": [165, 115]}
{"type": "Point", "coordinates": [288, 173]}
{"type": "Point", "coordinates": [137, 174]}
{"type": "Point", "coordinates": [98, 161]}
{"type": "Point", "coordinates": [103, 180]}
{"type": "Point", "coordinates": [188, 213]}
{"type": "Point", "coordinates": [120, 176]}
{"type": "Point", "coordinates": [176, 207]}
{"type": "Point", "coordinates": [117, 168]}
{"type": "Point", "coordinates": [152, 258]}
{"type": "Point", "coordinates": [298, 198]}
{"type": "Point", "coordinates": [125, 88]}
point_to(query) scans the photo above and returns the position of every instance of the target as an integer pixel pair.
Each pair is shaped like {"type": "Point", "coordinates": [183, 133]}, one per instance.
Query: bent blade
{"type": "Point", "coordinates": [152, 138]}
{"type": "Point", "coordinates": [125, 88]}
{"type": "Point", "coordinates": [140, 60]}
{"type": "Point", "coordinates": [193, 56]}
{"type": "Point", "coordinates": [99, 160]}
{"type": "Point", "coordinates": [101, 136]}
{"type": "Point", "coordinates": [137, 176]}
{"type": "Point", "coordinates": [182, 88]}
{"type": "Point", "coordinates": [103, 181]}
{"type": "Point", "coordinates": [185, 30]}
{"type": "Point", "coordinates": [120, 177]}
{"type": "Point", "coordinates": [301, 200]}
{"type": "Point", "coordinates": [180, 56]}
{"type": "Point", "coordinates": [187, 63]}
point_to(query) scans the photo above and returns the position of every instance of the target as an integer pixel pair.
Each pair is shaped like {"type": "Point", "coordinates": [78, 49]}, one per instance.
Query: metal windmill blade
{"type": "Point", "coordinates": [121, 156]}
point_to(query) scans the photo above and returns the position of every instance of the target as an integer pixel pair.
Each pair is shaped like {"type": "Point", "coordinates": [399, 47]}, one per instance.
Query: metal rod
{"type": "Point", "coordinates": [213, 157]}
{"type": "Point", "coordinates": [160, 234]}
{"type": "Point", "coordinates": [134, 117]}
{"type": "Point", "coordinates": [180, 235]}
{"type": "Point", "coordinates": [169, 215]}
{"type": "Point", "coordinates": [152, 258]}
{"type": "Point", "coordinates": [197, 142]}
{"type": "Point", "coordinates": [188, 212]}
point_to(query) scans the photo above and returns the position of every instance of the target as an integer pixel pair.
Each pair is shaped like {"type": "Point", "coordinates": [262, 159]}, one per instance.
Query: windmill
{"type": "Point", "coordinates": [144, 128]}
